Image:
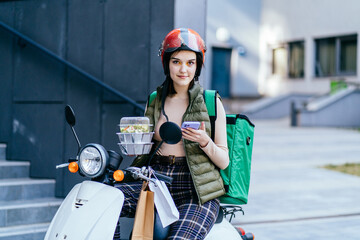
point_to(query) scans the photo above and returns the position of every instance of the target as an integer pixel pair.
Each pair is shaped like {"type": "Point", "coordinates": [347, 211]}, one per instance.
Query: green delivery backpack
{"type": "Point", "coordinates": [240, 133]}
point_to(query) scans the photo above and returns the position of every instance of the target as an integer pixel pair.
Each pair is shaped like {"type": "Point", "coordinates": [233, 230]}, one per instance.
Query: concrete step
{"type": "Point", "coordinates": [26, 189]}
{"type": "Point", "coordinates": [14, 213]}
{"type": "Point", "coordinates": [24, 232]}
{"type": "Point", "coordinates": [2, 151]}
{"type": "Point", "coordinates": [26, 205]}
{"type": "Point", "coordinates": [14, 169]}
{"type": "Point", "coordinates": [273, 107]}
{"type": "Point", "coordinates": [335, 110]}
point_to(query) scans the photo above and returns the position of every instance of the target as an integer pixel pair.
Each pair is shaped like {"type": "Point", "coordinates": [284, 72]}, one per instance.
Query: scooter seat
{"type": "Point", "coordinates": [161, 233]}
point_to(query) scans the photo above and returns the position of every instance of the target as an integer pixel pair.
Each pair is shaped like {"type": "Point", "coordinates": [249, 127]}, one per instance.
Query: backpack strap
{"type": "Point", "coordinates": [210, 101]}
{"type": "Point", "coordinates": [151, 97]}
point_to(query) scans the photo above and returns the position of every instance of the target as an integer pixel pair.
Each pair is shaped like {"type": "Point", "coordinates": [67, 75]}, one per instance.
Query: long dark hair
{"type": "Point", "coordinates": [168, 84]}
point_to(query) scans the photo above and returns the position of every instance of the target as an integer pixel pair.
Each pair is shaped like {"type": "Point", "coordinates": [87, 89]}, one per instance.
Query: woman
{"type": "Point", "coordinates": [192, 163]}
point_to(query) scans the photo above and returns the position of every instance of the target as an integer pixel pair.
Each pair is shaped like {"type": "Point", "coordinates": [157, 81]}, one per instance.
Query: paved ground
{"type": "Point", "coordinates": [291, 197]}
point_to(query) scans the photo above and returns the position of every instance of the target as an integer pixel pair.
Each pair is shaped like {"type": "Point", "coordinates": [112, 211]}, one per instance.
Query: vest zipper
{"type": "Point", "coordinates": [191, 173]}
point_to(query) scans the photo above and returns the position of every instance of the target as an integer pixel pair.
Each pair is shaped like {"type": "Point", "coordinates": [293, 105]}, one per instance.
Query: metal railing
{"type": "Point", "coordinates": [70, 65]}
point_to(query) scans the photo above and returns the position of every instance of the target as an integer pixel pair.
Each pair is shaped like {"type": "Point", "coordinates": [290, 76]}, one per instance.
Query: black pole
{"type": "Point", "coordinates": [293, 114]}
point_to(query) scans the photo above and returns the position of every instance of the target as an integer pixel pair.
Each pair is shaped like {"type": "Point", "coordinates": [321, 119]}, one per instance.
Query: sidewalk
{"type": "Point", "coordinates": [290, 196]}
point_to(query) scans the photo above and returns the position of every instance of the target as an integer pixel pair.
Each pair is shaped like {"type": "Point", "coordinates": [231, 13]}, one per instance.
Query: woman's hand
{"type": "Point", "coordinates": [198, 136]}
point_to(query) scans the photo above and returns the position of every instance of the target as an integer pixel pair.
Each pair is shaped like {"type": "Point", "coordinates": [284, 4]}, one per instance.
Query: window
{"type": "Point", "coordinates": [296, 59]}
{"type": "Point", "coordinates": [348, 55]}
{"type": "Point", "coordinates": [279, 61]}
{"type": "Point", "coordinates": [336, 56]}
{"type": "Point", "coordinates": [288, 60]}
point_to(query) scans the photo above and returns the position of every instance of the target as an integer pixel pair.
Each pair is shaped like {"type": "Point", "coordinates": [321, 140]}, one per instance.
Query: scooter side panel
{"type": "Point", "coordinates": [223, 230]}
{"type": "Point", "coordinates": [95, 219]}
{"type": "Point", "coordinates": [62, 214]}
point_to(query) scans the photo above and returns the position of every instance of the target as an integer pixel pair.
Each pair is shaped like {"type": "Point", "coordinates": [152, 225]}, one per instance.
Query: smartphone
{"type": "Point", "coordinates": [194, 125]}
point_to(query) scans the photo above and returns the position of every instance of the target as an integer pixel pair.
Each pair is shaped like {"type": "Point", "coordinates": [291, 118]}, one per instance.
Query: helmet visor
{"type": "Point", "coordinates": [183, 39]}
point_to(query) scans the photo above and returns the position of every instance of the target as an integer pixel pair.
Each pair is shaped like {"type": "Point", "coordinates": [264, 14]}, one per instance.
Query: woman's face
{"type": "Point", "coordinates": [182, 67]}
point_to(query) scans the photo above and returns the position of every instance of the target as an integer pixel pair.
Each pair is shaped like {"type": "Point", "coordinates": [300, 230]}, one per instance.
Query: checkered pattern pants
{"type": "Point", "coordinates": [195, 220]}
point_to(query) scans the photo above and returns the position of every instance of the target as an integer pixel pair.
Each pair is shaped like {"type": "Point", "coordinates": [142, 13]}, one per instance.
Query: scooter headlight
{"type": "Point", "coordinates": [93, 159]}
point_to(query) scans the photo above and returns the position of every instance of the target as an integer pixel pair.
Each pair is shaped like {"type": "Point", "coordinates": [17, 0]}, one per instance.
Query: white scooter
{"type": "Point", "coordinates": [92, 208]}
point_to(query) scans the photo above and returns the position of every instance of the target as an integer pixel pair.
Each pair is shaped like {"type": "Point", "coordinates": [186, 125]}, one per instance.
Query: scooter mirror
{"type": "Point", "coordinates": [170, 133]}
{"type": "Point", "coordinates": [70, 119]}
{"type": "Point", "coordinates": [69, 115]}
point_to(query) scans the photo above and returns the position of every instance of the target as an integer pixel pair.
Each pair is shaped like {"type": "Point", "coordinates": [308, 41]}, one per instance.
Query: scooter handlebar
{"type": "Point", "coordinates": [163, 177]}
{"type": "Point", "coordinates": [63, 165]}
{"type": "Point", "coordinates": [139, 173]}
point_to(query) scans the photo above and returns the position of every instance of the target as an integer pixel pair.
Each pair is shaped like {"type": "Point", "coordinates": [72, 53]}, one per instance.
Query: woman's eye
{"type": "Point", "coordinates": [176, 62]}
{"type": "Point", "coordinates": [190, 63]}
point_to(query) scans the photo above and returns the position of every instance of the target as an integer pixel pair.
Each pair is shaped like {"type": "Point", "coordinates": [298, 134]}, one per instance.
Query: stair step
{"type": "Point", "coordinates": [26, 189]}
{"type": "Point", "coordinates": [2, 151]}
{"type": "Point", "coordinates": [14, 169]}
{"type": "Point", "coordinates": [28, 211]}
{"type": "Point", "coordinates": [24, 232]}
{"type": "Point", "coordinates": [26, 205]}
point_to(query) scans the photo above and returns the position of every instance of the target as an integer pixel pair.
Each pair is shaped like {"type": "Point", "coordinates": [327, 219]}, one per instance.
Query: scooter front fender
{"type": "Point", "coordinates": [89, 212]}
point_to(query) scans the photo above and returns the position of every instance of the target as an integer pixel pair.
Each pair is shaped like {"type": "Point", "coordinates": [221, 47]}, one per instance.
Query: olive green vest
{"type": "Point", "coordinates": [206, 177]}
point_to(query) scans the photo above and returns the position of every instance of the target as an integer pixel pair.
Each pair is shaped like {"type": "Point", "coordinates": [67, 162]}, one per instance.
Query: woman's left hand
{"type": "Point", "coordinates": [198, 136]}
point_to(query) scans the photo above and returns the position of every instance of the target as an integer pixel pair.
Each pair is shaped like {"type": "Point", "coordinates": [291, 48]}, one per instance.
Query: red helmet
{"type": "Point", "coordinates": [182, 39]}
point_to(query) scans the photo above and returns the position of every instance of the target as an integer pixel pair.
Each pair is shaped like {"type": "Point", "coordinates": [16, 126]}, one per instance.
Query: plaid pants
{"type": "Point", "coordinates": [195, 220]}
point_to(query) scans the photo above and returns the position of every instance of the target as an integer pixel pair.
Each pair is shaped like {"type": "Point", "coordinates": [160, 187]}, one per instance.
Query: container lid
{"type": "Point", "coordinates": [135, 125]}
{"type": "Point", "coordinates": [134, 120]}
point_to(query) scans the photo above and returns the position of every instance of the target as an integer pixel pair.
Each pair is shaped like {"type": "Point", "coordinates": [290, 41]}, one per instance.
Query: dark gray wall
{"type": "Point", "coordinates": [6, 72]}
{"type": "Point", "coordinates": [114, 40]}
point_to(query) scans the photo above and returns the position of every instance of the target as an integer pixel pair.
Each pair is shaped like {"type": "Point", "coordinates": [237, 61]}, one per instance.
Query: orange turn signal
{"type": "Point", "coordinates": [73, 167]}
{"type": "Point", "coordinates": [118, 175]}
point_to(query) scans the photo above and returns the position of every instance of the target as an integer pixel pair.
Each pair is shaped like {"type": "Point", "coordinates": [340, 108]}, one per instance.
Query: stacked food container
{"type": "Point", "coordinates": [135, 136]}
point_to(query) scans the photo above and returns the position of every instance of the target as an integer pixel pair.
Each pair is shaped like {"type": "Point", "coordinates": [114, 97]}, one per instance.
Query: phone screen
{"type": "Point", "coordinates": [193, 125]}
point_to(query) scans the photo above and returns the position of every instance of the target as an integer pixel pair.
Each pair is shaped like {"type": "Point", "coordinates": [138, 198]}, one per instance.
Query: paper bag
{"type": "Point", "coordinates": [164, 203]}
{"type": "Point", "coordinates": [144, 217]}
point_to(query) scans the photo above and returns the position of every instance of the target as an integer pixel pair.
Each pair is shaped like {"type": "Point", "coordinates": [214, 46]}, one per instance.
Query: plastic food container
{"type": "Point", "coordinates": [135, 137]}
{"type": "Point", "coordinates": [134, 125]}
{"type": "Point", "coordinates": [135, 148]}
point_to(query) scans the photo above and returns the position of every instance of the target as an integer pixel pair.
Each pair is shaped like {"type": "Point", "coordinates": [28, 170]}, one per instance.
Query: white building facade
{"type": "Point", "coordinates": [285, 46]}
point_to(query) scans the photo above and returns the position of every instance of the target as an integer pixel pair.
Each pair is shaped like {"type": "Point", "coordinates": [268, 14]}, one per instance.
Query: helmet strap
{"type": "Point", "coordinates": [164, 95]}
